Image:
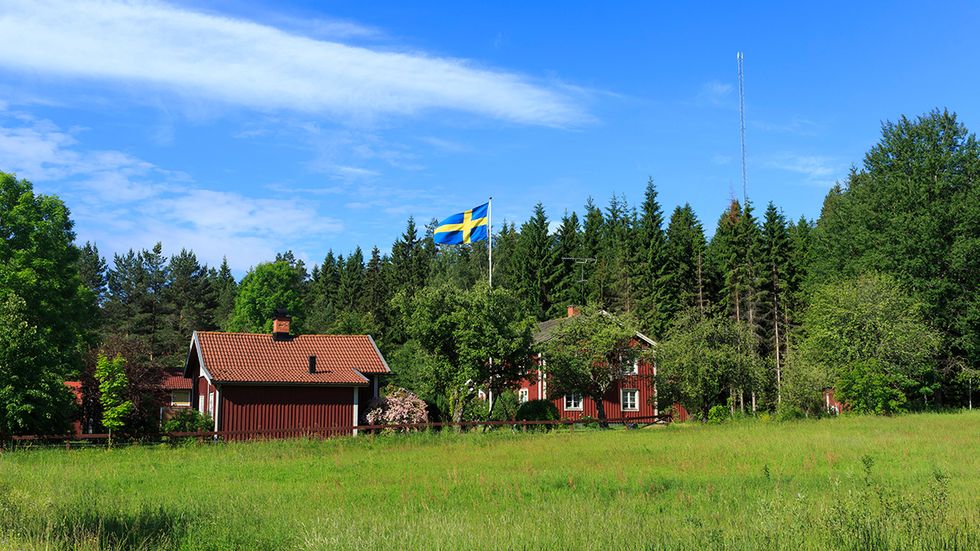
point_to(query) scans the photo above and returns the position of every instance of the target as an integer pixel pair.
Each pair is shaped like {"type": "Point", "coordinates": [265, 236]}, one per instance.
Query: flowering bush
{"type": "Point", "coordinates": [397, 406]}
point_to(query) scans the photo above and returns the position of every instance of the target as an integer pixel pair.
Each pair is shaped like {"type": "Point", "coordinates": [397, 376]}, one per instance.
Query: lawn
{"type": "Point", "coordinates": [852, 483]}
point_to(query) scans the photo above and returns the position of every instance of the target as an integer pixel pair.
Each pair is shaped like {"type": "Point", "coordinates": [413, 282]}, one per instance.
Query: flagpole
{"type": "Point", "coordinates": [490, 239]}
{"type": "Point", "coordinates": [490, 274]}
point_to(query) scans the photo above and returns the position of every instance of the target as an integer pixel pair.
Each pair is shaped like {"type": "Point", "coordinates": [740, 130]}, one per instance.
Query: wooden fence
{"type": "Point", "coordinates": [328, 432]}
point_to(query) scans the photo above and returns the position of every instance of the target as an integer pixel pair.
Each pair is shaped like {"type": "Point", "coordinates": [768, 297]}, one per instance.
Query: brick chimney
{"type": "Point", "coordinates": [573, 311]}
{"type": "Point", "coordinates": [280, 325]}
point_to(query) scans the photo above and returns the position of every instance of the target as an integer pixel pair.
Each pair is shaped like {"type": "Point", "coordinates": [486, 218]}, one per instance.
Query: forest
{"type": "Point", "coordinates": [877, 298]}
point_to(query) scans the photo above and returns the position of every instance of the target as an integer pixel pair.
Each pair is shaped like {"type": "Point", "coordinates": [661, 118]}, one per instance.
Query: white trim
{"type": "Point", "coordinates": [635, 369]}
{"type": "Point", "coordinates": [217, 407]}
{"type": "Point", "coordinates": [355, 409]}
{"type": "Point", "coordinates": [383, 362]}
{"type": "Point", "coordinates": [622, 399]}
{"type": "Point", "coordinates": [523, 395]}
{"type": "Point", "coordinates": [565, 406]}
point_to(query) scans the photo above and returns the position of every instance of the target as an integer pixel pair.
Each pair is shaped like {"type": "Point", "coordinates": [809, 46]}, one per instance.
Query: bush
{"type": "Point", "coordinates": [868, 387]}
{"type": "Point", "coordinates": [718, 414]}
{"type": "Point", "coordinates": [537, 410]}
{"type": "Point", "coordinates": [397, 406]}
{"type": "Point", "coordinates": [789, 412]}
{"type": "Point", "coordinates": [506, 406]}
{"type": "Point", "coordinates": [188, 420]}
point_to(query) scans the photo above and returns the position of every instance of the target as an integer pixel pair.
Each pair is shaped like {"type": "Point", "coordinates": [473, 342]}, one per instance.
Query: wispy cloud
{"type": "Point", "coordinates": [243, 63]}
{"type": "Point", "coordinates": [713, 93]}
{"type": "Point", "coordinates": [796, 126]}
{"type": "Point", "coordinates": [816, 170]}
{"type": "Point", "coordinates": [121, 201]}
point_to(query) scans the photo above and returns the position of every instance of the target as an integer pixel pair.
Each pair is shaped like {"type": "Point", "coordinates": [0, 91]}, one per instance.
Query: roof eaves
{"type": "Point", "coordinates": [380, 355]}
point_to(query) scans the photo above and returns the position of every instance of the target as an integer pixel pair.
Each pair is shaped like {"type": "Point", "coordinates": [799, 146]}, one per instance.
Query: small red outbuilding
{"type": "Point", "coordinates": [264, 383]}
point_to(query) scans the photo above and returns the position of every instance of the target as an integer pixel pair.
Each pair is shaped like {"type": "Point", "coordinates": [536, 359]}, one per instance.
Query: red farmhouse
{"type": "Point", "coordinates": [632, 396]}
{"type": "Point", "coordinates": [279, 382]}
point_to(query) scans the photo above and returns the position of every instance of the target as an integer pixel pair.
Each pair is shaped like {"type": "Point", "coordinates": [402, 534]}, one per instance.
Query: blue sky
{"type": "Point", "coordinates": [246, 128]}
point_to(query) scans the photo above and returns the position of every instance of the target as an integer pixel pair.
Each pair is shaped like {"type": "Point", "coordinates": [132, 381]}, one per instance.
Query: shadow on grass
{"type": "Point", "coordinates": [147, 528]}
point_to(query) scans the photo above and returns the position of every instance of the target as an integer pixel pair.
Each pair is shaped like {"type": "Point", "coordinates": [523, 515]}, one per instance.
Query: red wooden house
{"type": "Point", "coordinates": [632, 396]}
{"type": "Point", "coordinates": [176, 394]}
{"type": "Point", "coordinates": [261, 382]}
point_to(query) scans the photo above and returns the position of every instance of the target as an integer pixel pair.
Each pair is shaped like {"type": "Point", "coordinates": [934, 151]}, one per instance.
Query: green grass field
{"type": "Point", "coordinates": [852, 483]}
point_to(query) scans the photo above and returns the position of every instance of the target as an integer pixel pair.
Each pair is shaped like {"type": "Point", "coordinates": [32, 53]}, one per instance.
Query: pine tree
{"type": "Point", "coordinates": [592, 242]}
{"type": "Point", "coordinates": [776, 252]}
{"type": "Point", "coordinates": [535, 259]}
{"type": "Point", "coordinates": [92, 268]}
{"type": "Point", "coordinates": [189, 304]}
{"type": "Point", "coordinates": [409, 259]}
{"type": "Point", "coordinates": [374, 299]}
{"type": "Point", "coordinates": [564, 285]}
{"type": "Point", "coordinates": [321, 299]}
{"type": "Point", "coordinates": [136, 306]}
{"type": "Point", "coordinates": [351, 285]}
{"type": "Point", "coordinates": [654, 297]}
{"type": "Point", "coordinates": [685, 261]}
{"type": "Point", "coordinates": [224, 287]}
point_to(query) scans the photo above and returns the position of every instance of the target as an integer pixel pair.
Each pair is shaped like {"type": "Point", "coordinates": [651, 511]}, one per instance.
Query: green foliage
{"type": "Point", "coordinates": [913, 212]}
{"type": "Point", "coordinates": [113, 383]}
{"type": "Point", "coordinates": [264, 289]}
{"type": "Point", "coordinates": [719, 414]}
{"type": "Point", "coordinates": [589, 352]}
{"type": "Point", "coordinates": [505, 406]}
{"type": "Point", "coordinates": [704, 360]}
{"type": "Point", "coordinates": [33, 399]}
{"type": "Point", "coordinates": [867, 335]}
{"type": "Point", "coordinates": [867, 386]}
{"type": "Point", "coordinates": [464, 330]}
{"type": "Point", "coordinates": [537, 410]}
{"type": "Point", "coordinates": [39, 264]}
{"type": "Point", "coordinates": [188, 420]}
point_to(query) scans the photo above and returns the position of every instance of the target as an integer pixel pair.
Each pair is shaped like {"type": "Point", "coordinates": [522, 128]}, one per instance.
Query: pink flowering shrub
{"type": "Point", "coordinates": [397, 406]}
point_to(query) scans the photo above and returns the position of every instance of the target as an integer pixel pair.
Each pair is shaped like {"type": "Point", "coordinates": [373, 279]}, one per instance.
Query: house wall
{"type": "Point", "coordinates": [267, 408]}
{"type": "Point", "coordinates": [642, 381]}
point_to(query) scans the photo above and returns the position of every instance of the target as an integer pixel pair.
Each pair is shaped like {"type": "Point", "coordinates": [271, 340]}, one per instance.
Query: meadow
{"type": "Point", "coordinates": [907, 482]}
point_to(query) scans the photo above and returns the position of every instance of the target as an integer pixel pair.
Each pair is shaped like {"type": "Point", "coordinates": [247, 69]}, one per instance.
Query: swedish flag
{"type": "Point", "coordinates": [463, 227]}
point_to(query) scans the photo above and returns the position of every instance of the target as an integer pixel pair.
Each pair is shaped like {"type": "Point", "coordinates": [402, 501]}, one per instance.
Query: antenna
{"type": "Point", "coordinates": [581, 261]}
{"type": "Point", "coordinates": [741, 118]}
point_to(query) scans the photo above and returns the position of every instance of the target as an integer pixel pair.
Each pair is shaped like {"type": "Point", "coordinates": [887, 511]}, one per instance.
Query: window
{"type": "Point", "coordinates": [631, 399]}
{"type": "Point", "coordinates": [573, 402]}
{"type": "Point", "coordinates": [200, 403]}
{"type": "Point", "coordinates": [180, 398]}
{"type": "Point", "coordinates": [633, 369]}
{"type": "Point", "coordinates": [211, 404]}
{"type": "Point", "coordinates": [522, 395]}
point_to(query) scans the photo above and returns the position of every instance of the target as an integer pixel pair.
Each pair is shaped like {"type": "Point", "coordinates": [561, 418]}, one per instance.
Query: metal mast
{"type": "Point", "coordinates": [741, 117]}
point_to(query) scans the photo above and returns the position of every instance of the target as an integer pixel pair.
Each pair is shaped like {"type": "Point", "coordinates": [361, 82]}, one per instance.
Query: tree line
{"type": "Point", "coordinates": [877, 297]}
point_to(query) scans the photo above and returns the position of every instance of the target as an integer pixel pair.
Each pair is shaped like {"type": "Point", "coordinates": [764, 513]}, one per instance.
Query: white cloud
{"type": "Point", "coordinates": [121, 201]}
{"type": "Point", "coordinates": [200, 55]}
{"type": "Point", "coordinates": [817, 170]}
{"type": "Point", "coordinates": [714, 92]}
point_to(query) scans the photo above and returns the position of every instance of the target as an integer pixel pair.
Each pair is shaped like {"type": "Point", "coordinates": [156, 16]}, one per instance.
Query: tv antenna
{"type": "Point", "coordinates": [581, 261]}
{"type": "Point", "coordinates": [741, 117]}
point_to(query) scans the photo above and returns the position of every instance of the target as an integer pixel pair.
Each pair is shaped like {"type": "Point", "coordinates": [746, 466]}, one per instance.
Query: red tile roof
{"type": "Point", "coordinates": [176, 381]}
{"type": "Point", "coordinates": [257, 358]}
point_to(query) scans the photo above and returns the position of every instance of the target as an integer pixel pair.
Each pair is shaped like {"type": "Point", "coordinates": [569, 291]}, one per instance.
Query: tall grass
{"type": "Point", "coordinates": [907, 482]}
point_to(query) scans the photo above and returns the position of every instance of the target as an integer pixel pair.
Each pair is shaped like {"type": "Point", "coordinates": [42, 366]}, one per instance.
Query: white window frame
{"type": "Point", "coordinates": [211, 404]}
{"type": "Point", "coordinates": [523, 395]}
{"type": "Point", "coordinates": [573, 400]}
{"type": "Point", "coordinates": [636, 399]}
{"type": "Point", "coordinates": [200, 403]}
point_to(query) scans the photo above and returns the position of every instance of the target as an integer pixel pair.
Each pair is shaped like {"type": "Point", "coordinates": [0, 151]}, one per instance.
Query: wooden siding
{"type": "Point", "coordinates": [267, 408]}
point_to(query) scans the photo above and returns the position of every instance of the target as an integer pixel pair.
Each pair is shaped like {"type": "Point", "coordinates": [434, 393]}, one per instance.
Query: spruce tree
{"type": "Point", "coordinates": [685, 261]}
{"type": "Point", "coordinates": [592, 242]}
{"type": "Point", "coordinates": [535, 263]}
{"type": "Point", "coordinates": [565, 288]}
{"type": "Point", "coordinates": [774, 310]}
{"type": "Point", "coordinates": [224, 287]}
{"type": "Point", "coordinates": [656, 303]}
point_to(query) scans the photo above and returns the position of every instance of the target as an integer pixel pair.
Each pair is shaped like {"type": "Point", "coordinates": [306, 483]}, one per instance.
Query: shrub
{"type": "Point", "coordinates": [719, 414]}
{"type": "Point", "coordinates": [397, 406]}
{"type": "Point", "coordinates": [506, 406]}
{"type": "Point", "coordinates": [869, 387]}
{"type": "Point", "coordinates": [789, 412]}
{"type": "Point", "coordinates": [188, 420]}
{"type": "Point", "coordinates": [537, 410]}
